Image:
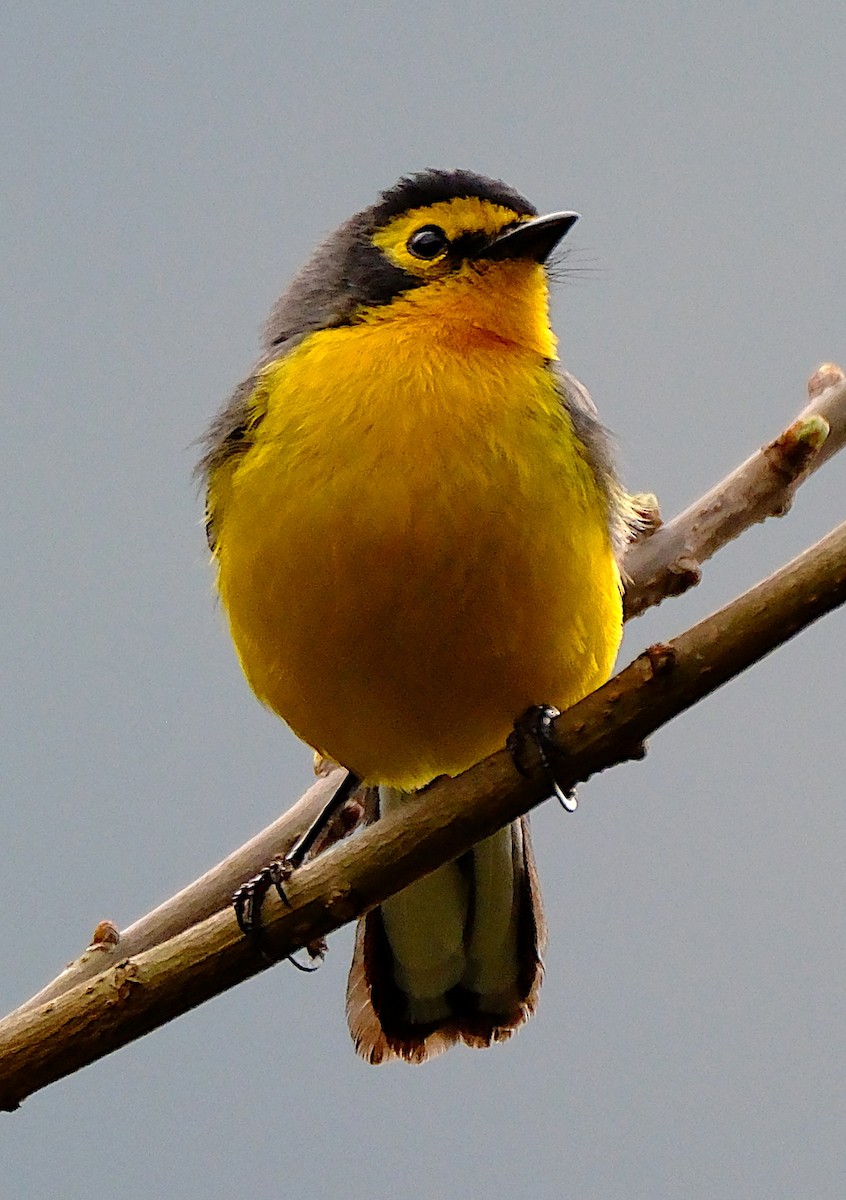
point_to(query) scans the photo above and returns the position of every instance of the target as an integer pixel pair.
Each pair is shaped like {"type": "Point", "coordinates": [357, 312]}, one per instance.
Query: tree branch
{"type": "Point", "coordinates": [436, 826]}
{"type": "Point", "coordinates": [669, 561]}
{"type": "Point", "coordinates": [206, 895]}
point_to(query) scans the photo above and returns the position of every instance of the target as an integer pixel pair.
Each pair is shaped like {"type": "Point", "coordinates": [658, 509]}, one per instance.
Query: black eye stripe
{"type": "Point", "coordinates": [468, 245]}
{"type": "Point", "coordinates": [430, 242]}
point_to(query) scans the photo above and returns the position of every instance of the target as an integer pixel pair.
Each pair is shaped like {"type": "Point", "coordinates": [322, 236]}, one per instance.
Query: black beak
{"type": "Point", "coordinates": [534, 239]}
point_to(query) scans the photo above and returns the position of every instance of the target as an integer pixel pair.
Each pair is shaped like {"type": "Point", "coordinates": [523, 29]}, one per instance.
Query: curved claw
{"type": "Point", "coordinates": [316, 951]}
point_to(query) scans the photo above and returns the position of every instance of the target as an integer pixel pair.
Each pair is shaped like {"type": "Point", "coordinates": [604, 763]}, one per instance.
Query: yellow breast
{"type": "Point", "coordinates": [415, 548]}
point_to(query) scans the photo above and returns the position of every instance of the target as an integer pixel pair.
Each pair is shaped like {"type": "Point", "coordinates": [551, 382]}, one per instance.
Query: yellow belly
{"type": "Point", "coordinates": [411, 555]}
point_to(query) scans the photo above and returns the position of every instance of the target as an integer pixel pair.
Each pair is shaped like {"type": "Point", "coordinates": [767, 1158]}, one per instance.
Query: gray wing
{"type": "Point", "coordinates": [599, 451]}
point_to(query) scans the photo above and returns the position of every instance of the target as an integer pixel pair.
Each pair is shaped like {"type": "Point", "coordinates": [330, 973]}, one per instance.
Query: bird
{"type": "Point", "coordinates": [416, 524]}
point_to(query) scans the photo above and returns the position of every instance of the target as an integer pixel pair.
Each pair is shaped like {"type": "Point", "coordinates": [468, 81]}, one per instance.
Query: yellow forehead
{"type": "Point", "coordinates": [464, 214]}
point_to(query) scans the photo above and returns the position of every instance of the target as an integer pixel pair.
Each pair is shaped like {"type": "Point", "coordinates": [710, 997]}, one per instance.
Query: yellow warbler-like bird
{"type": "Point", "coordinates": [416, 522]}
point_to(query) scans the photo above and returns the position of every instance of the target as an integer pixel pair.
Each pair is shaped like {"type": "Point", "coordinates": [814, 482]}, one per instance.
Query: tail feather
{"type": "Point", "coordinates": [378, 1010]}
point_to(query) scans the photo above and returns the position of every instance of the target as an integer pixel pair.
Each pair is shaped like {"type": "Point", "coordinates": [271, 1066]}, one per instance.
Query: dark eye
{"type": "Point", "coordinates": [428, 242]}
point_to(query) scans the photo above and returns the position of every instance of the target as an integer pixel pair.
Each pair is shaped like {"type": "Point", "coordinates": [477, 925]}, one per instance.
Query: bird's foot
{"type": "Point", "coordinates": [535, 727]}
{"type": "Point", "coordinates": [249, 898]}
{"type": "Point", "coordinates": [247, 902]}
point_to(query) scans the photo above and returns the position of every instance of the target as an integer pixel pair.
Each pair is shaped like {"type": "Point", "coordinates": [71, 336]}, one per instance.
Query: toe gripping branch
{"type": "Point", "coordinates": [247, 902]}
{"type": "Point", "coordinates": [534, 728]}
{"type": "Point", "coordinates": [248, 899]}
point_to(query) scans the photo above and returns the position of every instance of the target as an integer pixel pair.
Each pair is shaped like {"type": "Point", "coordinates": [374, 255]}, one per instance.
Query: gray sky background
{"type": "Point", "coordinates": [169, 165]}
